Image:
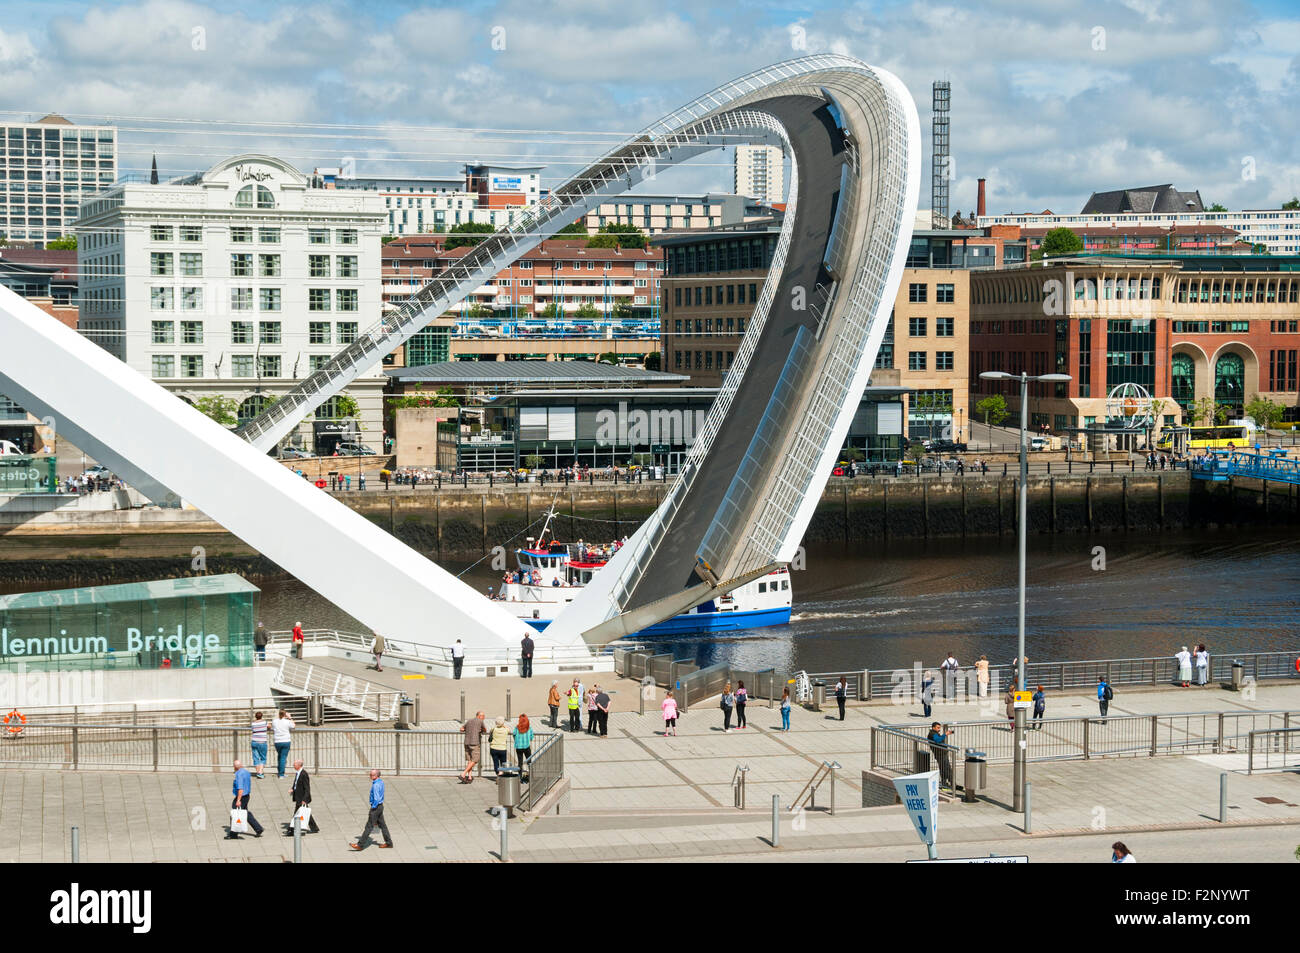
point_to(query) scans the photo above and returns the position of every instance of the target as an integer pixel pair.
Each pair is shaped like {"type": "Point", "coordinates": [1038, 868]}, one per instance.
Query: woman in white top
{"type": "Point", "coordinates": [1184, 667]}
{"type": "Point", "coordinates": [1121, 854]}
{"type": "Point", "coordinates": [1202, 664]}
{"type": "Point", "coordinates": [280, 728]}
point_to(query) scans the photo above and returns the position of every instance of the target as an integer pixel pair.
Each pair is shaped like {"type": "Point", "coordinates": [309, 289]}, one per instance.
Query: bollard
{"type": "Point", "coordinates": [776, 820]}
{"type": "Point", "coordinates": [462, 708]}
{"type": "Point", "coordinates": [503, 817]}
{"type": "Point", "coordinates": [507, 703]}
{"type": "Point", "coordinates": [76, 844]}
{"type": "Point", "coordinates": [1223, 798]}
{"type": "Point", "coordinates": [297, 838]}
{"type": "Point", "coordinates": [1029, 810]}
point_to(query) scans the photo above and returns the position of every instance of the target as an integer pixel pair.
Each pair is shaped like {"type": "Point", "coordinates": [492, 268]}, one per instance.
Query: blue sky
{"type": "Point", "coordinates": [1051, 100]}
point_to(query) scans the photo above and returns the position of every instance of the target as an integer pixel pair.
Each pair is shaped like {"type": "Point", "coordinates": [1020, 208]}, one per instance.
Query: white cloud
{"type": "Point", "coordinates": [1182, 89]}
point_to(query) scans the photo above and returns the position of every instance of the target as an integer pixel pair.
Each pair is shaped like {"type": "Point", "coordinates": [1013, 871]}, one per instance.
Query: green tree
{"type": "Point", "coordinates": [1292, 205]}
{"type": "Point", "coordinates": [930, 406]}
{"type": "Point", "coordinates": [618, 236]}
{"type": "Point", "coordinates": [653, 361]}
{"type": "Point", "coordinates": [1267, 413]}
{"type": "Point", "coordinates": [533, 461]}
{"type": "Point", "coordinates": [1203, 410]}
{"type": "Point", "coordinates": [994, 409]}
{"type": "Point", "coordinates": [224, 410]}
{"type": "Point", "coordinates": [442, 397]}
{"type": "Point", "coordinates": [385, 239]}
{"type": "Point", "coordinates": [62, 243]}
{"type": "Point", "coordinates": [1061, 241]}
{"type": "Point", "coordinates": [574, 228]}
{"type": "Point", "coordinates": [1259, 248]}
{"type": "Point", "coordinates": [588, 312]}
{"type": "Point", "coordinates": [468, 233]}
{"type": "Point", "coordinates": [609, 357]}
{"type": "Point", "coordinates": [1216, 207]}
{"type": "Point", "coordinates": [345, 406]}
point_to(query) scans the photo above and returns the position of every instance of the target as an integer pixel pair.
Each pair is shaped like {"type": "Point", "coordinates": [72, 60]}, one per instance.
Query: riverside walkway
{"type": "Point", "coordinates": [637, 795]}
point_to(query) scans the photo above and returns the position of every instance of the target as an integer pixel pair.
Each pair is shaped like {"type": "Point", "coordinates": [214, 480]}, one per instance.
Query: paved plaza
{"type": "Point", "coordinates": [638, 795]}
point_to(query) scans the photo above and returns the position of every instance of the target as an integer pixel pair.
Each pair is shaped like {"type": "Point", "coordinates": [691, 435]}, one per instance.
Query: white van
{"type": "Point", "coordinates": [8, 448]}
{"type": "Point", "coordinates": [1040, 443]}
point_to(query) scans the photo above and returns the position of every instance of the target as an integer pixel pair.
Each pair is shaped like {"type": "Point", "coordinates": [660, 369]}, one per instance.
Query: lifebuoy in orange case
{"type": "Point", "coordinates": [1297, 665]}
{"type": "Point", "coordinates": [14, 721]}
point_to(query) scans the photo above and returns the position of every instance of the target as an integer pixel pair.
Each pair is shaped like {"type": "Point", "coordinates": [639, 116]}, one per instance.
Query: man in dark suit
{"type": "Point", "coordinates": [301, 795]}
{"type": "Point", "coordinates": [526, 653]}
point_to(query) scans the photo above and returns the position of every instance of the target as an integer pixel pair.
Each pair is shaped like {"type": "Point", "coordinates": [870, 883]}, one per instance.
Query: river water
{"type": "Point", "coordinates": [914, 602]}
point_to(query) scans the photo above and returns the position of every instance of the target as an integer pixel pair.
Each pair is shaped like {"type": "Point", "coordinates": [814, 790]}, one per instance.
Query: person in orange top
{"type": "Point", "coordinates": [297, 640]}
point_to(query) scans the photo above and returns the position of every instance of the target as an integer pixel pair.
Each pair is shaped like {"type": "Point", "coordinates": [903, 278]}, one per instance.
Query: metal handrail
{"type": "Point", "coordinates": [420, 652]}
{"type": "Point", "coordinates": [865, 684]}
{"type": "Point", "coordinates": [1289, 748]}
{"type": "Point", "coordinates": [1092, 736]}
{"type": "Point", "coordinates": [824, 770]}
{"type": "Point", "coordinates": [197, 748]}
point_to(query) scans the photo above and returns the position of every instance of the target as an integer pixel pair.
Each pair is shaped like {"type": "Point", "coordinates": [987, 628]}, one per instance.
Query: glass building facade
{"type": "Point", "coordinates": [47, 169]}
{"type": "Point", "coordinates": [194, 622]}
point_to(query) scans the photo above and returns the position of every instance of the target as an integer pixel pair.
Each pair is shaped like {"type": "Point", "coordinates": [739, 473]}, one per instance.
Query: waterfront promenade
{"type": "Point", "coordinates": [637, 795]}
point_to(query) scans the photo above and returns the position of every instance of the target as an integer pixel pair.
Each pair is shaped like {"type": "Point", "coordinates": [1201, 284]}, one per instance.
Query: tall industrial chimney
{"type": "Point", "coordinates": [979, 203]}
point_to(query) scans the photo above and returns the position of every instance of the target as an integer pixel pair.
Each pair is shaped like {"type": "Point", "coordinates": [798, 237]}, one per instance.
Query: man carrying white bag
{"type": "Point", "coordinates": [241, 819]}
{"type": "Point", "coordinates": [301, 795]}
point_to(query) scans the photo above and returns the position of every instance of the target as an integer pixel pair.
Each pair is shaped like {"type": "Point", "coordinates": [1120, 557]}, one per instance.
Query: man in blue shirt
{"type": "Point", "coordinates": [242, 789]}
{"type": "Point", "coordinates": [1104, 695]}
{"type": "Point", "coordinates": [376, 813]}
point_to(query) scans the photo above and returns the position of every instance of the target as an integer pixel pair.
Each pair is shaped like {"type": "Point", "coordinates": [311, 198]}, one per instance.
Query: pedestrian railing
{"type": "Point", "coordinates": [395, 648]}
{"type": "Point", "coordinates": [171, 711]}
{"type": "Point", "coordinates": [214, 747]}
{"type": "Point", "coordinates": [864, 685]}
{"type": "Point", "coordinates": [543, 769]}
{"type": "Point", "coordinates": [338, 690]}
{"type": "Point", "coordinates": [1062, 739]}
{"type": "Point", "coordinates": [1271, 749]}
{"type": "Point", "coordinates": [899, 750]}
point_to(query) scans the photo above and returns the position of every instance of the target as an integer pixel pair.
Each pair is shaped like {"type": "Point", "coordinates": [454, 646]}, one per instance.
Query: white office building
{"type": "Point", "coordinates": [416, 205]}
{"type": "Point", "coordinates": [238, 282]}
{"type": "Point", "coordinates": [47, 168]}
{"type": "Point", "coordinates": [1278, 230]}
{"type": "Point", "coordinates": [760, 173]}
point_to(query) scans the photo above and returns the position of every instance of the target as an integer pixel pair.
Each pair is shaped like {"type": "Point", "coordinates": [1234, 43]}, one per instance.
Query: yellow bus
{"type": "Point", "coordinates": [1210, 438]}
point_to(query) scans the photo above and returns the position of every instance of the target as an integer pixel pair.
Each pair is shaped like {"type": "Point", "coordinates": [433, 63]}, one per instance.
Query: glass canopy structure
{"type": "Point", "coordinates": [194, 622]}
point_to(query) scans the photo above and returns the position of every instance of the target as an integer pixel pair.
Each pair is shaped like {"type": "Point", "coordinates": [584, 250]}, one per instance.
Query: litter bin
{"type": "Point", "coordinates": [508, 790]}
{"type": "Point", "coordinates": [818, 695]}
{"type": "Point", "coordinates": [921, 761]}
{"type": "Point", "coordinates": [405, 713]}
{"type": "Point", "coordinates": [977, 773]}
{"type": "Point", "coordinates": [1237, 669]}
{"type": "Point", "coordinates": [315, 709]}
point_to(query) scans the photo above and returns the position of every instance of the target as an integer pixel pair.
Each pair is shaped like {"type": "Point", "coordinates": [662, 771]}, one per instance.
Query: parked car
{"type": "Point", "coordinates": [946, 446]}
{"type": "Point", "coordinates": [97, 472]}
{"type": "Point", "coordinates": [293, 453]}
{"type": "Point", "coordinates": [355, 450]}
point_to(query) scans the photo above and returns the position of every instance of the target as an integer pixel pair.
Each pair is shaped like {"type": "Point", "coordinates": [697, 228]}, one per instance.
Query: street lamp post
{"type": "Point", "coordinates": [1018, 780]}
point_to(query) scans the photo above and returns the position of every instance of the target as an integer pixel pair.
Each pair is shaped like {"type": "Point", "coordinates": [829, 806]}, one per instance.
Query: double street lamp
{"type": "Point", "coordinates": [1018, 782]}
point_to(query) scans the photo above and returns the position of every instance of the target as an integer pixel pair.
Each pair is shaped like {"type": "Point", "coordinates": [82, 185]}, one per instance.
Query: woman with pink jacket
{"type": "Point", "coordinates": [670, 714]}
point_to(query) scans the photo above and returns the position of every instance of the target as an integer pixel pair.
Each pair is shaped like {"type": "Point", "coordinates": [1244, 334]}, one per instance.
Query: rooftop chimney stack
{"type": "Point", "coordinates": [979, 203]}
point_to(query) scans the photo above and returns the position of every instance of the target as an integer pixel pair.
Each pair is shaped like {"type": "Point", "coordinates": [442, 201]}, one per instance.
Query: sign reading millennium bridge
{"type": "Point", "coordinates": [194, 621]}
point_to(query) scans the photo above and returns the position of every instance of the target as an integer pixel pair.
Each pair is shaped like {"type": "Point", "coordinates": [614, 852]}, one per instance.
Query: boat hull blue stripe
{"type": "Point", "coordinates": [704, 622]}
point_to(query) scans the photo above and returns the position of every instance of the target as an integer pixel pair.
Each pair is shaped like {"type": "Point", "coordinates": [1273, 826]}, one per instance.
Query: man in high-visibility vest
{"type": "Point", "coordinates": [575, 698]}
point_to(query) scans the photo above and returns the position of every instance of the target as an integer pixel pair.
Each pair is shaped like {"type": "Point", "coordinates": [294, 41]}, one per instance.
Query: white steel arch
{"type": "Point", "coordinates": [137, 427]}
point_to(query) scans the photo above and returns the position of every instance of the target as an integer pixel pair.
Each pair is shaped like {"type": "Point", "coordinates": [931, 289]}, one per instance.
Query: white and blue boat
{"type": "Point", "coordinates": [551, 574]}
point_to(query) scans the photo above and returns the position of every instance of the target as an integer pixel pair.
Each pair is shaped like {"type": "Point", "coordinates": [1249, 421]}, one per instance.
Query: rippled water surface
{"type": "Point", "coordinates": [910, 602]}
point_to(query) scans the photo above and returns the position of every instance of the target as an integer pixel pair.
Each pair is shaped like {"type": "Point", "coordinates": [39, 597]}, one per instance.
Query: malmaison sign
{"type": "Point", "coordinates": [246, 173]}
